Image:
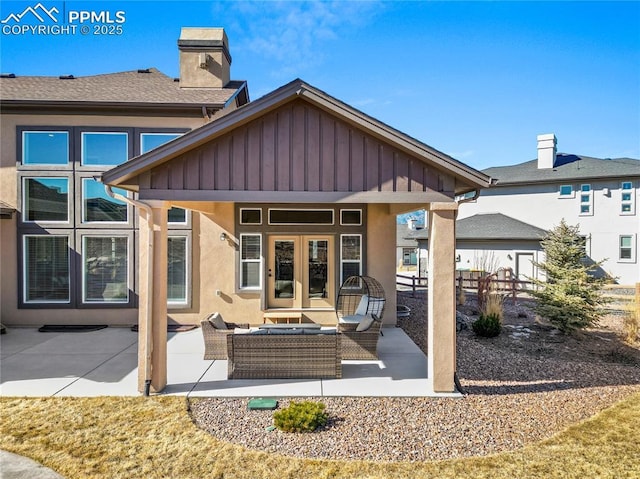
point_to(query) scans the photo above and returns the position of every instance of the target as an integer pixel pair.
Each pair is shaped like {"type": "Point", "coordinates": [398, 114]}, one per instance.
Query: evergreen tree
{"type": "Point", "coordinates": [571, 297]}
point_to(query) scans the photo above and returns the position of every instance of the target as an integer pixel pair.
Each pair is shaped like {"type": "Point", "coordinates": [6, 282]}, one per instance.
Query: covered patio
{"type": "Point", "coordinates": [104, 363]}
{"type": "Point", "coordinates": [307, 169]}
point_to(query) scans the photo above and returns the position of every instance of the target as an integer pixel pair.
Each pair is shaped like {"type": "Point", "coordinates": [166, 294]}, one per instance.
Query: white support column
{"type": "Point", "coordinates": [441, 305]}
{"type": "Point", "coordinates": [152, 297]}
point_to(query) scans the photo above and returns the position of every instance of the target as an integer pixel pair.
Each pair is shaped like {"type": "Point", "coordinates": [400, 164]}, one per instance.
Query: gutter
{"type": "Point", "coordinates": [148, 320]}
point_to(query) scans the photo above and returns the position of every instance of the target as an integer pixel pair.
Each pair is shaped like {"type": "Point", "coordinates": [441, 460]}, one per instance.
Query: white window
{"type": "Point", "coordinates": [566, 191]}
{"type": "Point", "coordinates": [627, 249]}
{"type": "Point", "coordinates": [250, 261]}
{"type": "Point", "coordinates": [350, 256]}
{"type": "Point", "coordinates": [98, 206]}
{"type": "Point", "coordinates": [104, 148]}
{"type": "Point", "coordinates": [45, 148]}
{"type": "Point", "coordinates": [149, 141]}
{"type": "Point", "coordinates": [627, 203]}
{"type": "Point", "coordinates": [178, 270]}
{"type": "Point", "coordinates": [46, 269]}
{"type": "Point", "coordinates": [45, 199]}
{"type": "Point", "coordinates": [586, 200]}
{"type": "Point", "coordinates": [105, 269]}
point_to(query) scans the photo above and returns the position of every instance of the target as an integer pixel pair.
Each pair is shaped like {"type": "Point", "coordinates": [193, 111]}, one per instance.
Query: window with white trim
{"type": "Point", "coordinates": [250, 261]}
{"type": "Point", "coordinates": [350, 256]}
{"type": "Point", "coordinates": [627, 198]}
{"type": "Point", "coordinates": [45, 199]}
{"type": "Point", "coordinates": [178, 270]}
{"type": "Point", "coordinates": [105, 269]}
{"type": "Point", "coordinates": [627, 249]}
{"type": "Point", "coordinates": [98, 206]}
{"type": "Point", "coordinates": [409, 257]}
{"type": "Point", "coordinates": [104, 148]}
{"type": "Point", "coordinates": [566, 191]}
{"type": "Point", "coordinates": [586, 200]}
{"type": "Point", "coordinates": [46, 269]}
{"type": "Point", "coordinates": [45, 148]}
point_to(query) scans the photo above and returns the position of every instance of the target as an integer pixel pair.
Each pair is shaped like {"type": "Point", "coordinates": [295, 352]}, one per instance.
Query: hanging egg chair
{"type": "Point", "coordinates": [359, 296]}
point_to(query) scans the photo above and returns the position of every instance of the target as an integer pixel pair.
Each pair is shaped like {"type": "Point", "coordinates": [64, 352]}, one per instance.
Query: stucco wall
{"type": "Point", "coordinates": [540, 206]}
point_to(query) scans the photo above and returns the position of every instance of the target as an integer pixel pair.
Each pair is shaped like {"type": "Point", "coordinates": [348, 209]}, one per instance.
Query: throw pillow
{"type": "Point", "coordinates": [217, 321]}
{"type": "Point", "coordinates": [361, 310]}
{"type": "Point", "coordinates": [365, 324]}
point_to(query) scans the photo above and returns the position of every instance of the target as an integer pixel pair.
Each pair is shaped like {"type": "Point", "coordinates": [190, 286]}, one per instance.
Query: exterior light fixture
{"type": "Point", "coordinates": [223, 236]}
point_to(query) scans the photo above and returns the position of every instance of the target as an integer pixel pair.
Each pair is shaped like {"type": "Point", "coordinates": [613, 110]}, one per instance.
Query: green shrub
{"type": "Point", "coordinates": [487, 325]}
{"type": "Point", "coordinates": [305, 416]}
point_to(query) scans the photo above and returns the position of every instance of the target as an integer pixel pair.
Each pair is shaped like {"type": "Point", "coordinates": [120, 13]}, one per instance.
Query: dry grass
{"type": "Point", "coordinates": [631, 323]}
{"type": "Point", "coordinates": [155, 438]}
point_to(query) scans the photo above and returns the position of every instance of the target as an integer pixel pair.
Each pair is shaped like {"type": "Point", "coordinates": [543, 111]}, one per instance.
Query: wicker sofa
{"type": "Point", "coordinates": [360, 344]}
{"type": "Point", "coordinates": [277, 355]}
{"type": "Point", "coordinates": [215, 335]}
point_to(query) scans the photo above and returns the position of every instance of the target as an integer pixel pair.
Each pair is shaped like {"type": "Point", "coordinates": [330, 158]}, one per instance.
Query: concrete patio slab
{"type": "Point", "coordinates": [105, 363]}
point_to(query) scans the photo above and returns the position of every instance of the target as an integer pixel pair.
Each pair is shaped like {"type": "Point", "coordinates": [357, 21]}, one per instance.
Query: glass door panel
{"type": "Point", "coordinates": [283, 275]}
{"type": "Point", "coordinates": [318, 275]}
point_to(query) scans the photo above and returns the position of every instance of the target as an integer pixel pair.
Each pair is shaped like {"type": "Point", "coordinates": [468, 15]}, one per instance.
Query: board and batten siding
{"type": "Point", "coordinates": [297, 148]}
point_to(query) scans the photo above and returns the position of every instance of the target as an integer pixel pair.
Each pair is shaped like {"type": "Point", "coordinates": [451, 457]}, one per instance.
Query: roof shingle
{"type": "Point", "coordinates": [148, 86]}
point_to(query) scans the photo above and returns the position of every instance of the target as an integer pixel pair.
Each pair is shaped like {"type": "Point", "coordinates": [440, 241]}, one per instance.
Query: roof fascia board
{"type": "Point", "coordinates": [545, 181]}
{"type": "Point", "coordinates": [241, 196]}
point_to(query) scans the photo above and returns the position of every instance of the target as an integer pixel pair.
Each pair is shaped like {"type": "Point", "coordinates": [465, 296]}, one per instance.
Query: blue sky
{"type": "Point", "coordinates": [477, 80]}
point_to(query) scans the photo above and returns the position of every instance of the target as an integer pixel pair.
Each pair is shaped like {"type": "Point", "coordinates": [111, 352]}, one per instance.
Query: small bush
{"type": "Point", "coordinates": [305, 416]}
{"type": "Point", "coordinates": [487, 325]}
{"type": "Point", "coordinates": [494, 305]}
{"type": "Point", "coordinates": [462, 298]}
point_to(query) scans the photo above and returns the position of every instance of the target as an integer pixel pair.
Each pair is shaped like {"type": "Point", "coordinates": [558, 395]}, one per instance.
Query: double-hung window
{"type": "Point", "coordinates": [350, 256]}
{"type": "Point", "coordinates": [627, 248]}
{"type": "Point", "coordinates": [250, 261]}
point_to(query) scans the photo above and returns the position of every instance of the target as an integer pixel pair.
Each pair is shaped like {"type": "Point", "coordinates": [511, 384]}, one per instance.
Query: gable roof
{"type": "Point", "coordinates": [148, 87]}
{"type": "Point", "coordinates": [567, 167]}
{"type": "Point", "coordinates": [489, 226]}
{"type": "Point", "coordinates": [468, 178]}
{"type": "Point", "coordinates": [403, 238]}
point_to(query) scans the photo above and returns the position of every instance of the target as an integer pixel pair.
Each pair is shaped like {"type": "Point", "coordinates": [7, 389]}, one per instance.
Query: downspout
{"type": "Point", "coordinates": [148, 320]}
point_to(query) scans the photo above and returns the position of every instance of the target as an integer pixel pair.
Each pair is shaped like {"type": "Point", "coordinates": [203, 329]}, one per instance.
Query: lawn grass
{"type": "Point", "coordinates": [111, 437]}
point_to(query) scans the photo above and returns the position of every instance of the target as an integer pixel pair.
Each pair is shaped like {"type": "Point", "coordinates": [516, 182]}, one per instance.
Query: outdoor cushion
{"type": "Point", "coordinates": [352, 319]}
{"type": "Point", "coordinates": [361, 310]}
{"type": "Point", "coordinates": [259, 332]}
{"type": "Point", "coordinates": [241, 331]}
{"type": "Point", "coordinates": [319, 331]}
{"type": "Point", "coordinates": [365, 324]}
{"type": "Point", "coordinates": [217, 321]}
{"type": "Point", "coordinates": [284, 331]}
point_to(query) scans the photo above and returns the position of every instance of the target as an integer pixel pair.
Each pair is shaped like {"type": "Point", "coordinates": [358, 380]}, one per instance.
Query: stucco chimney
{"type": "Point", "coordinates": [204, 58]}
{"type": "Point", "coordinates": [546, 151]}
{"type": "Point", "coordinates": [411, 223]}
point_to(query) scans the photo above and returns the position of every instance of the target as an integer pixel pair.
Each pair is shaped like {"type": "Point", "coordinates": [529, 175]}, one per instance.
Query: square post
{"type": "Point", "coordinates": [441, 297]}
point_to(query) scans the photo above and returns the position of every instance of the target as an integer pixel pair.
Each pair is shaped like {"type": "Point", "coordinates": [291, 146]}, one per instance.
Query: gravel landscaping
{"type": "Point", "coordinates": [523, 386]}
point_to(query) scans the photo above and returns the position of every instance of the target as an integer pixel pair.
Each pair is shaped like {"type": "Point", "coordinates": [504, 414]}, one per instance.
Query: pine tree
{"type": "Point", "coordinates": [571, 297]}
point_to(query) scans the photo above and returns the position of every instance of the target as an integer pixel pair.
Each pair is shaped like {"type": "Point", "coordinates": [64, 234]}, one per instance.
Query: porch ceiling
{"type": "Point", "coordinates": [296, 144]}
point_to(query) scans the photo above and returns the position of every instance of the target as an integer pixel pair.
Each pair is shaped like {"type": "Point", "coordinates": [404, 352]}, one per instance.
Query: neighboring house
{"type": "Point", "coordinates": [407, 258]}
{"type": "Point", "coordinates": [600, 195]}
{"type": "Point", "coordinates": [263, 207]}
{"type": "Point", "coordinates": [488, 241]}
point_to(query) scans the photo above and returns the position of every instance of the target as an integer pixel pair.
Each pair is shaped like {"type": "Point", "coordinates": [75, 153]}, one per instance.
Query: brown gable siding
{"type": "Point", "coordinates": [300, 148]}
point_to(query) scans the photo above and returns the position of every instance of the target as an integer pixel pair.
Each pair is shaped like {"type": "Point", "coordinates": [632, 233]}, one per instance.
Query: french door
{"type": "Point", "coordinates": [300, 271]}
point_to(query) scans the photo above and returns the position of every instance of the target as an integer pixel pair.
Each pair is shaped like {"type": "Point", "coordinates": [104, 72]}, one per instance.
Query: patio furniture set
{"type": "Point", "coordinates": [301, 350]}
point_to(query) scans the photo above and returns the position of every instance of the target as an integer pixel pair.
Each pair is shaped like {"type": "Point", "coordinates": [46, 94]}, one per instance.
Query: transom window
{"type": "Point", "coordinates": [351, 217]}
{"type": "Point", "coordinates": [104, 148]}
{"type": "Point", "coordinates": [45, 147]}
{"type": "Point", "coordinates": [300, 217]}
{"type": "Point", "coordinates": [250, 216]}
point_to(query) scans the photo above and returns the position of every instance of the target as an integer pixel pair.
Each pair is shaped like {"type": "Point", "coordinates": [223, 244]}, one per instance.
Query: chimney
{"type": "Point", "coordinates": [546, 151]}
{"type": "Point", "coordinates": [411, 224]}
{"type": "Point", "coordinates": [204, 58]}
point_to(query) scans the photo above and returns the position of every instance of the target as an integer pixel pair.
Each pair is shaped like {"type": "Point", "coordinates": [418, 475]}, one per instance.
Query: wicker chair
{"type": "Point", "coordinates": [360, 344]}
{"type": "Point", "coordinates": [215, 337]}
{"type": "Point", "coordinates": [359, 296]}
